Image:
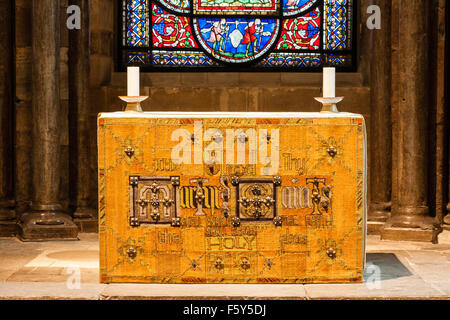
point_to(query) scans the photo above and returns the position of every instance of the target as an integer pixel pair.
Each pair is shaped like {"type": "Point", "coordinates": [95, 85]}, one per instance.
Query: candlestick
{"type": "Point", "coordinates": [329, 104]}
{"type": "Point", "coordinates": [329, 99]}
{"type": "Point", "coordinates": [329, 82]}
{"type": "Point", "coordinates": [133, 99]}
{"type": "Point", "coordinates": [133, 103]}
{"type": "Point", "coordinates": [133, 81]}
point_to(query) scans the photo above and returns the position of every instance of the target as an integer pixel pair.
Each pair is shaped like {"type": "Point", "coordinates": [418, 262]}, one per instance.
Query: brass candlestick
{"type": "Point", "coordinates": [133, 103]}
{"type": "Point", "coordinates": [329, 104]}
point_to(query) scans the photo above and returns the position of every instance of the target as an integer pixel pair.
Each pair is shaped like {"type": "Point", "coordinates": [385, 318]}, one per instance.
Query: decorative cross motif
{"type": "Point", "coordinates": [245, 263]}
{"type": "Point", "coordinates": [332, 151]}
{"type": "Point", "coordinates": [199, 195]}
{"type": "Point", "coordinates": [219, 265]}
{"type": "Point", "coordinates": [176, 222]}
{"type": "Point", "coordinates": [134, 222]}
{"type": "Point", "coordinates": [155, 202]}
{"type": "Point", "coordinates": [131, 250]}
{"type": "Point", "coordinates": [257, 203]}
{"type": "Point", "coordinates": [134, 181]}
{"type": "Point", "coordinates": [132, 253]}
{"type": "Point", "coordinates": [129, 151]}
{"type": "Point", "coordinates": [331, 252]}
{"type": "Point", "coordinates": [256, 198]}
{"type": "Point", "coordinates": [278, 221]}
{"type": "Point", "coordinates": [269, 264]}
{"type": "Point", "coordinates": [175, 181]}
{"type": "Point", "coordinates": [277, 181]}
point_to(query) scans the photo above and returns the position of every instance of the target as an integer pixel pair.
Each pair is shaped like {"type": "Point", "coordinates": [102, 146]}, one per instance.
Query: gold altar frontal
{"type": "Point", "coordinates": [232, 197]}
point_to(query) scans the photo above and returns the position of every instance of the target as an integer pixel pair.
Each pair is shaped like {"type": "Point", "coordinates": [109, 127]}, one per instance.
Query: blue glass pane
{"type": "Point", "coordinates": [137, 23]}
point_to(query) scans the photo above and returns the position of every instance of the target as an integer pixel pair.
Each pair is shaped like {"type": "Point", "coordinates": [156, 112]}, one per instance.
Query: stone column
{"type": "Point", "coordinates": [447, 217]}
{"type": "Point", "coordinates": [364, 43]}
{"type": "Point", "coordinates": [447, 103]}
{"type": "Point", "coordinates": [411, 218]}
{"type": "Point", "coordinates": [79, 70]}
{"type": "Point", "coordinates": [45, 220]}
{"type": "Point", "coordinates": [439, 140]}
{"type": "Point", "coordinates": [7, 213]}
{"type": "Point", "coordinates": [381, 134]}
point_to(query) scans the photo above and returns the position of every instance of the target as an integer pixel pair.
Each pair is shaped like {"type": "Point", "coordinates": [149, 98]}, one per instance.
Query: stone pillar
{"type": "Point", "coordinates": [411, 218]}
{"type": "Point", "coordinates": [380, 117]}
{"type": "Point", "coordinates": [45, 220]}
{"type": "Point", "coordinates": [447, 104]}
{"type": "Point", "coordinates": [447, 217]}
{"type": "Point", "coordinates": [7, 213]}
{"type": "Point", "coordinates": [365, 43]}
{"type": "Point", "coordinates": [79, 70]}
{"type": "Point", "coordinates": [439, 140]}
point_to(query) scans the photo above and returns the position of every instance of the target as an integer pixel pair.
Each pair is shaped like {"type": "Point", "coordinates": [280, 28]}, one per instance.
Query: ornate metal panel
{"type": "Point", "coordinates": [154, 200]}
{"type": "Point", "coordinates": [256, 198]}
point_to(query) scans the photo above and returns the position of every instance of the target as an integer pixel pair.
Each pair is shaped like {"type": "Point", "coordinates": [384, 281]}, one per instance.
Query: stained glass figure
{"type": "Point", "coordinates": [237, 35]}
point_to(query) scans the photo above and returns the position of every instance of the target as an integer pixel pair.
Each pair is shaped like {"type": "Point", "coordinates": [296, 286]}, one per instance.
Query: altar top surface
{"type": "Point", "coordinates": [228, 115]}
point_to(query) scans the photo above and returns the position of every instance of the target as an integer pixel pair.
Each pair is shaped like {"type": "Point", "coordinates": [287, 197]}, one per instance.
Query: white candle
{"type": "Point", "coordinates": [133, 81]}
{"type": "Point", "coordinates": [329, 82]}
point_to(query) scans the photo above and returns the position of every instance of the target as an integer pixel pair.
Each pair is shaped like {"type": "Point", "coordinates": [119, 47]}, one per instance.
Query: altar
{"type": "Point", "coordinates": [232, 197]}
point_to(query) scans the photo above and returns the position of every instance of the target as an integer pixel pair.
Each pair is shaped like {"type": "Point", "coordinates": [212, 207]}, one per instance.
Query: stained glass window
{"type": "Point", "coordinates": [237, 35]}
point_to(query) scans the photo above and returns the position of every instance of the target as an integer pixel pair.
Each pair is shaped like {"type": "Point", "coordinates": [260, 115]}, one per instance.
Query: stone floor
{"type": "Point", "coordinates": [406, 270]}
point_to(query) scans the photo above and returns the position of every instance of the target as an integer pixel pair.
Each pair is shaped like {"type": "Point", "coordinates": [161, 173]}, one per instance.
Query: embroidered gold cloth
{"type": "Point", "coordinates": [231, 198]}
